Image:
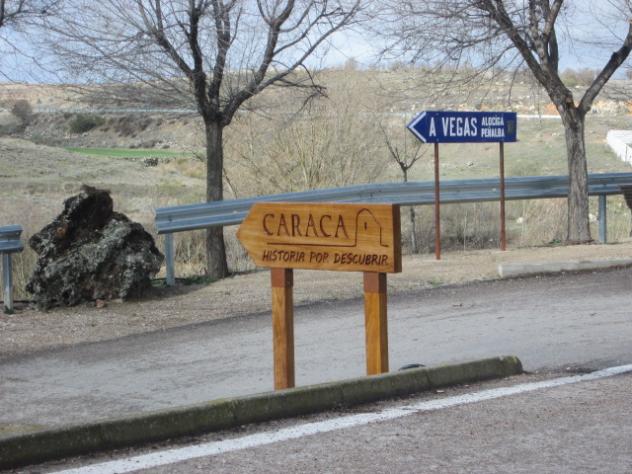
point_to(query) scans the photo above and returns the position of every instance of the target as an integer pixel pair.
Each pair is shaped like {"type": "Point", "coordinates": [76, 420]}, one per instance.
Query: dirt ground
{"type": "Point", "coordinates": [29, 330]}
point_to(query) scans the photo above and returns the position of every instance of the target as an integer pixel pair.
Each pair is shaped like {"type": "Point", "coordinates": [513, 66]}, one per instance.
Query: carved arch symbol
{"type": "Point", "coordinates": [377, 223]}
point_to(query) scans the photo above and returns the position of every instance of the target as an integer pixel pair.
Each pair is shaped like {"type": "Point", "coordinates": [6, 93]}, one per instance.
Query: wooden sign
{"type": "Point", "coordinates": [343, 237]}
{"type": "Point", "coordinates": [346, 237]}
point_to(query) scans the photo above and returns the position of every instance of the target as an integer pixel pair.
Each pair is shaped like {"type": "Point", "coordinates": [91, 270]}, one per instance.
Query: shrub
{"type": "Point", "coordinates": [125, 126]}
{"type": "Point", "coordinates": [85, 122]}
{"type": "Point", "coordinates": [578, 77]}
{"type": "Point", "coordinates": [22, 110]}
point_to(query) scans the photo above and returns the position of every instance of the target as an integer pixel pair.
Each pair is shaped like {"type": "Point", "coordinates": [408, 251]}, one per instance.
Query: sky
{"type": "Point", "coordinates": [21, 61]}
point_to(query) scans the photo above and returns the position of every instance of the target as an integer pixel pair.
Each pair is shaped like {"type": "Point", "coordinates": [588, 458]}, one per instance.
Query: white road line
{"type": "Point", "coordinates": [213, 448]}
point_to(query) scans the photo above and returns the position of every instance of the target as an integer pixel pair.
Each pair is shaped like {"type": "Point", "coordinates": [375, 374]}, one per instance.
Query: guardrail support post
{"type": "Point", "coordinates": [603, 218]}
{"type": "Point", "coordinates": [170, 260]}
{"type": "Point", "coordinates": [375, 323]}
{"type": "Point", "coordinates": [283, 327]}
{"type": "Point", "coordinates": [7, 283]}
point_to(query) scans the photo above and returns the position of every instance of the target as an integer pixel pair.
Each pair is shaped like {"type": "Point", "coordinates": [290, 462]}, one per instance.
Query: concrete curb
{"type": "Point", "coordinates": [513, 270]}
{"type": "Point", "coordinates": [25, 449]}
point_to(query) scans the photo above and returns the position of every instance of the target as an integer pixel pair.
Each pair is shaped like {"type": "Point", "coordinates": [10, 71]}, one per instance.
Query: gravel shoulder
{"type": "Point", "coordinates": [29, 330]}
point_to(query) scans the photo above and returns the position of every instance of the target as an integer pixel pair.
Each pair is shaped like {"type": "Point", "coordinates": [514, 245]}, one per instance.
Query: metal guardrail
{"type": "Point", "coordinates": [9, 243]}
{"type": "Point", "coordinates": [199, 216]}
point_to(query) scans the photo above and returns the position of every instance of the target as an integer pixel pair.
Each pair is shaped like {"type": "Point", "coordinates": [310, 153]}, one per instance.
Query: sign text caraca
{"type": "Point", "coordinates": [331, 236]}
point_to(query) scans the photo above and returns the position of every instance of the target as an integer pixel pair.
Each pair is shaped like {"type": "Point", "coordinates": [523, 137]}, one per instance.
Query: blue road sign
{"type": "Point", "coordinates": [464, 127]}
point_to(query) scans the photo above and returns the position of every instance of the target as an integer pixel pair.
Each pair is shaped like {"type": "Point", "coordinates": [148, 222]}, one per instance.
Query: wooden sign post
{"type": "Point", "coordinates": [340, 237]}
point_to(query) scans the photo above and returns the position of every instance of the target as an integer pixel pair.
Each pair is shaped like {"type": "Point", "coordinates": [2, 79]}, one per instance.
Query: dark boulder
{"type": "Point", "coordinates": [89, 252]}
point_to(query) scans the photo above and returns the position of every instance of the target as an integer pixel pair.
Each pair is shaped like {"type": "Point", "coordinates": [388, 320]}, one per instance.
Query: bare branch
{"type": "Point", "coordinates": [551, 13]}
{"type": "Point", "coordinates": [259, 81]}
{"type": "Point", "coordinates": [21, 17]}
{"type": "Point", "coordinates": [617, 58]}
{"type": "Point", "coordinates": [403, 159]}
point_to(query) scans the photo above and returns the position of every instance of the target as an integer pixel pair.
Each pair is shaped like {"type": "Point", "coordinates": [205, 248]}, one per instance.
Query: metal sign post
{"type": "Point", "coordinates": [437, 204]}
{"type": "Point", "coordinates": [341, 237]}
{"type": "Point", "coordinates": [465, 127]}
{"type": "Point", "coordinates": [503, 234]}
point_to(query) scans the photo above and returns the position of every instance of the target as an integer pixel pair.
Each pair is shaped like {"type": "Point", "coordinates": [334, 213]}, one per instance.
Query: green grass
{"type": "Point", "coordinates": [129, 152]}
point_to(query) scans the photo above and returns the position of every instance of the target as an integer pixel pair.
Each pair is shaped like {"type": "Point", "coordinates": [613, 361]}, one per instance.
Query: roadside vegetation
{"type": "Point", "coordinates": [336, 141]}
{"type": "Point", "coordinates": [83, 123]}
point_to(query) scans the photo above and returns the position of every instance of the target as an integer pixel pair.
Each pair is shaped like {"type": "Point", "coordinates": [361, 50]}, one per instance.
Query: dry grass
{"type": "Point", "coordinates": [464, 227]}
{"type": "Point", "coordinates": [333, 142]}
{"type": "Point", "coordinates": [192, 168]}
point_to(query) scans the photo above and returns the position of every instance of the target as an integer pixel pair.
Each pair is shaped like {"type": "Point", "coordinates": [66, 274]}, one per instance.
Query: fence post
{"type": "Point", "coordinates": [7, 283]}
{"type": "Point", "coordinates": [603, 218]}
{"type": "Point", "coordinates": [170, 260]}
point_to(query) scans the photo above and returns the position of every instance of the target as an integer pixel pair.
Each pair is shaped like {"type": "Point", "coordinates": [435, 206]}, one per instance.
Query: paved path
{"type": "Point", "coordinates": [549, 322]}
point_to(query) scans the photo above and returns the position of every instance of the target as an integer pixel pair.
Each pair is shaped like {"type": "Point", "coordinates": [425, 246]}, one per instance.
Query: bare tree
{"type": "Point", "coordinates": [500, 34]}
{"type": "Point", "coordinates": [328, 144]}
{"type": "Point", "coordinates": [220, 53]}
{"type": "Point", "coordinates": [14, 11]}
{"type": "Point", "coordinates": [16, 16]}
{"type": "Point", "coordinates": [405, 159]}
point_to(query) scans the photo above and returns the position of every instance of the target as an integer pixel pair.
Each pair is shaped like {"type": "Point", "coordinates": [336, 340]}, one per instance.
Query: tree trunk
{"type": "Point", "coordinates": [578, 228]}
{"type": "Point", "coordinates": [216, 265]}
{"type": "Point", "coordinates": [413, 233]}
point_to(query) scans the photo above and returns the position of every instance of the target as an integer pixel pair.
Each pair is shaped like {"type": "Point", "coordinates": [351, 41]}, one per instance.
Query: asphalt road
{"type": "Point", "coordinates": [574, 428]}
{"type": "Point", "coordinates": [581, 320]}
